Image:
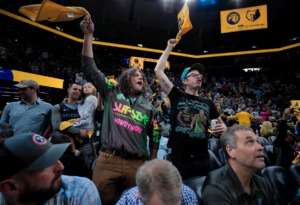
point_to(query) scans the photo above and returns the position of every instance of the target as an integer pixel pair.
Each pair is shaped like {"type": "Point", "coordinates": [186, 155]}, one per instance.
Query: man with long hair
{"type": "Point", "coordinates": [128, 119]}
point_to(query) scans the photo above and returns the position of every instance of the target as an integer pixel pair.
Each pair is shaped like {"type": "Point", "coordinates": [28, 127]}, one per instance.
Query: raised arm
{"type": "Point", "coordinates": [165, 84]}
{"type": "Point", "coordinates": [87, 27]}
{"type": "Point", "coordinates": [89, 67]}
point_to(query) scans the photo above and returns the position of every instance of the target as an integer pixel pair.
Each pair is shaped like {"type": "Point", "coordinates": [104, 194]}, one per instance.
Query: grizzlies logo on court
{"type": "Point", "coordinates": [253, 15]}
{"type": "Point", "coordinates": [233, 18]}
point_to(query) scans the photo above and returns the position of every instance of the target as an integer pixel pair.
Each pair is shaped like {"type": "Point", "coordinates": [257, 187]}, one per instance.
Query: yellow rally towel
{"type": "Point", "coordinates": [65, 124]}
{"type": "Point", "coordinates": [52, 12]}
{"type": "Point", "coordinates": [184, 22]}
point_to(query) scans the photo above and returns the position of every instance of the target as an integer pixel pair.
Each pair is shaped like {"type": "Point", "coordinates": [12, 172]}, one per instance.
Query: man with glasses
{"type": "Point", "coordinates": [189, 147]}
{"type": "Point", "coordinates": [31, 114]}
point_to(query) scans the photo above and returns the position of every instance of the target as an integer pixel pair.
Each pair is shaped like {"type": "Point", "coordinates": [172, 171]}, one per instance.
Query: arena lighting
{"type": "Point", "coordinates": [251, 69]}
{"type": "Point", "coordinates": [116, 45]}
{"type": "Point", "coordinates": [207, 2]}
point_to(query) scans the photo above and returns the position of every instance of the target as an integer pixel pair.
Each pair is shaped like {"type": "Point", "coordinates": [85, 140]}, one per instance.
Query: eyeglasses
{"type": "Point", "coordinates": [195, 75]}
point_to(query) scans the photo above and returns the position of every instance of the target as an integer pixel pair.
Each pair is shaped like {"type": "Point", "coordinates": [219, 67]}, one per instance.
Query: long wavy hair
{"type": "Point", "coordinates": [124, 81]}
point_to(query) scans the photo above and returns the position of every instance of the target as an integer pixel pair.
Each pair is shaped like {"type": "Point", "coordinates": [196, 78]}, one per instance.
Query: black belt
{"type": "Point", "coordinates": [187, 155]}
{"type": "Point", "coordinates": [121, 154]}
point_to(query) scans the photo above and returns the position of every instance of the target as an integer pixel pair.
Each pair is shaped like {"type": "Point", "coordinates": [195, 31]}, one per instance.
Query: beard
{"type": "Point", "coordinates": [32, 194]}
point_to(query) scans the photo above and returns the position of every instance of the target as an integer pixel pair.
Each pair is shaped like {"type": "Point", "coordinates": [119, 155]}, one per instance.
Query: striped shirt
{"type": "Point", "coordinates": [188, 197]}
{"type": "Point", "coordinates": [74, 191]}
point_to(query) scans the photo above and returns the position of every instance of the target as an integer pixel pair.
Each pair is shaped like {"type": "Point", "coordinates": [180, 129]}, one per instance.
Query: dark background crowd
{"type": "Point", "coordinates": [269, 89]}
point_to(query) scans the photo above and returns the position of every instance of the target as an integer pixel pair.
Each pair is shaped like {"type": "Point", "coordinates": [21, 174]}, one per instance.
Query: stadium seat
{"type": "Point", "coordinates": [283, 185]}
{"type": "Point", "coordinates": [92, 167]}
{"type": "Point", "coordinates": [214, 161]}
{"type": "Point", "coordinates": [222, 156]}
{"type": "Point", "coordinates": [295, 172]}
{"type": "Point", "coordinates": [195, 183]}
{"type": "Point", "coordinates": [167, 156]}
{"type": "Point", "coordinates": [214, 145]}
{"type": "Point", "coordinates": [272, 139]}
{"type": "Point", "coordinates": [263, 141]}
{"type": "Point", "coordinates": [270, 156]}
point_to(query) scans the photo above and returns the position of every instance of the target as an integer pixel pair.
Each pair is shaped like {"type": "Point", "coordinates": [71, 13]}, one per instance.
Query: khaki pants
{"type": "Point", "coordinates": [113, 174]}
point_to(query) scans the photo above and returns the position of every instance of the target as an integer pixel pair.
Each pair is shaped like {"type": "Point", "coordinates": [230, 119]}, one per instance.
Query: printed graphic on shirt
{"type": "Point", "coordinates": [137, 121]}
{"type": "Point", "coordinates": [192, 118]}
{"type": "Point", "coordinates": [140, 120]}
{"type": "Point", "coordinates": [156, 135]}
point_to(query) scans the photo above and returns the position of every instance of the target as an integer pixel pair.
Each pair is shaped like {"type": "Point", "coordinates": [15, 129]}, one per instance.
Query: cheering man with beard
{"type": "Point", "coordinates": [129, 119]}
{"type": "Point", "coordinates": [31, 173]}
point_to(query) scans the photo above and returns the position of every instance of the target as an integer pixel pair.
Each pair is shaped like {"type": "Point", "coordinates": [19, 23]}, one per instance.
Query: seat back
{"type": "Point", "coordinates": [281, 182]}
{"type": "Point", "coordinates": [270, 156]}
{"type": "Point", "coordinates": [263, 141]}
{"type": "Point", "coordinates": [214, 161]}
{"type": "Point", "coordinates": [214, 145]}
{"type": "Point", "coordinates": [92, 167]}
{"type": "Point", "coordinates": [222, 156]}
{"type": "Point", "coordinates": [195, 183]}
{"type": "Point", "coordinates": [272, 139]}
{"type": "Point", "coordinates": [295, 172]}
{"type": "Point", "coordinates": [167, 157]}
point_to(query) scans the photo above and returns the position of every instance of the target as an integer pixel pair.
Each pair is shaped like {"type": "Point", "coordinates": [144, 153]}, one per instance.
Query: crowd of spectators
{"type": "Point", "coordinates": [263, 94]}
{"type": "Point", "coordinates": [265, 90]}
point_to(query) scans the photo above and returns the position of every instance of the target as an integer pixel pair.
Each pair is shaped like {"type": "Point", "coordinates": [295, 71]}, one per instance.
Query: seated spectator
{"type": "Point", "coordinates": [158, 182]}
{"type": "Point", "coordinates": [266, 129]}
{"type": "Point", "coordinates": [244, 157]}
{"type": "Point", "coordinates": [33, 174]}
{"type": "Point", "coordinates": [6, 131]}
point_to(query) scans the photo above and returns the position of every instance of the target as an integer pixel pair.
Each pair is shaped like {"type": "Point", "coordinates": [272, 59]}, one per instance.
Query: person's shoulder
{"type": "Point", "coordinates": [186, 190]}
{"type": "Point", "coordinates": [43, 103]}
{"type": "Point", "coordinates": [128, 197]}
{"type": "Point", "coordinates": [56, 106]}
{"type": "Point", "coordinates": [188, 195]}
{"type": "Point", "coordinates": [71, 182]}
{"type": "Point", "coordinates": [215, 176]}
{"type": "Point", "coordinates": [260, 181]}
{"type": "Point", "coordinates": [13, 103]}
{"type": "Point", "coordinates": [91, 98]}
{"type": "Point", "coordinates": [175, 91]}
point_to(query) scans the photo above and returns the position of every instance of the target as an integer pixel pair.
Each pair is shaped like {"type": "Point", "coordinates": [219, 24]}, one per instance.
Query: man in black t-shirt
{"type": "Point", "coordinates": [189, 147]}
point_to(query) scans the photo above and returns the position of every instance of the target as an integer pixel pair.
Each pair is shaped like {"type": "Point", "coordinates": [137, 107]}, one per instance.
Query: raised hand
{"type": "Point", "coordinates": [87, 25]}
{"type": "Point", "coordinates": [172, 43]}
